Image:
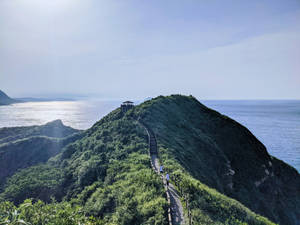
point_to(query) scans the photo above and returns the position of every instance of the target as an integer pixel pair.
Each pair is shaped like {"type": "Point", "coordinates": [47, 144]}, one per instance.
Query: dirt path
{"type": "Point", "coordinates": [176, 206]}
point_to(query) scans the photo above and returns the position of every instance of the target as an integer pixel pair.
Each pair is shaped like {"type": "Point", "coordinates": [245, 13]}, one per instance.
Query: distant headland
{"type": "Point", "coordinates": [6, 100]}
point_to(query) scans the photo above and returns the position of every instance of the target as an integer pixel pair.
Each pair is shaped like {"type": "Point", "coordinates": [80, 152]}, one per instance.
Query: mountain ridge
{"type": "Point", "coordinates": [203, 140]}
{"type": "Point", "coordinates": [106, 172]}
{"type": "Point", "coordinates": [22, 147]}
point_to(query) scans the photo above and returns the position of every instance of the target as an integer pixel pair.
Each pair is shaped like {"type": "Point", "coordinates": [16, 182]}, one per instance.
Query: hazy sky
{"type": "Point", "coordinates": [139, 48]}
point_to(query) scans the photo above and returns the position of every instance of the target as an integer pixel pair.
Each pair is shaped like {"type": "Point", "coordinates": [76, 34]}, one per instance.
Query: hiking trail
{"type": "Point", "coordinates": [175, 212]}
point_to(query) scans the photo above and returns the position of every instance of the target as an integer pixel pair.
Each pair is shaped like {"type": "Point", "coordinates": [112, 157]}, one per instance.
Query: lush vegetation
{"type": "Point", "coordinates": [22, 147]}
{"type": "Point", "coordinates": [208, 206]}
{"type": "Point", "coordinates": [39, 213]}
{"type": "Point", "coordinates": [54, 129]}
{"type": "Point", "coordinates": [103, 175]}
{"type": "Point", "coordinates": [38, 182]}
{"type": "Point", "coordinates": [107, 172]}
{"type": "Point", "coordinates": [211, 148]}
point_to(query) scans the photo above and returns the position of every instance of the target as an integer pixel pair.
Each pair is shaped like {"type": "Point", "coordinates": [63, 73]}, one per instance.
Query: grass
{"type": "Point", "coordinates": [104, 175]}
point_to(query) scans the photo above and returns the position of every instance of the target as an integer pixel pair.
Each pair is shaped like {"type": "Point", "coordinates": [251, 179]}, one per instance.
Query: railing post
{"type": "Point", "coordinates": [150, 133]}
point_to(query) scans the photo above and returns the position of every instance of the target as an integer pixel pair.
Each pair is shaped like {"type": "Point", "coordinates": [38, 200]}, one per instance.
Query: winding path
{"type": "Point", "coordinates": [175, 213]}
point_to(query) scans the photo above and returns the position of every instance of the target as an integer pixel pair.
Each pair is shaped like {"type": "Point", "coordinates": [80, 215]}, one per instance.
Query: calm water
{"type": "Point", "coordinates": [275, 123]}
{"type": "Point", "coordinates": [77, 114]}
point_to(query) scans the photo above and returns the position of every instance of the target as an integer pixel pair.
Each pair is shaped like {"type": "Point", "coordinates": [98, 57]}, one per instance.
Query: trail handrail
{"type": "Point", "coordinates": [153, 153]}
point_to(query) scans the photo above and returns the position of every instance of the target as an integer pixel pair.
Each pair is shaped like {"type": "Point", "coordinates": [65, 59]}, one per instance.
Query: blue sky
{"type": "Point", "coordinates": [140, 48]}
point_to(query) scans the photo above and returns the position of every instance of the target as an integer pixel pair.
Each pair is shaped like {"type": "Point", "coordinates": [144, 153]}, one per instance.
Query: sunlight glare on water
{"type": "Point", "coordinates": [77, 114]}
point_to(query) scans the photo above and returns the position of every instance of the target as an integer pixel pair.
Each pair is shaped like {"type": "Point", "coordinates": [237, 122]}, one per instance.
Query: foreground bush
{"type": "Point", "coordinates": [40, 213]}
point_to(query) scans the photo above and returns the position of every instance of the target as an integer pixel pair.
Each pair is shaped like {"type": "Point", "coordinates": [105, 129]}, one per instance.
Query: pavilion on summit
{"type": "Point", "coordinates": [125, 106]}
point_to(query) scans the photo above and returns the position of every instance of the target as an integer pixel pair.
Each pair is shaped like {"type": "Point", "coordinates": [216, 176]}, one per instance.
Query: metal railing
{"type": "Point", "coordinates": [151, 134]}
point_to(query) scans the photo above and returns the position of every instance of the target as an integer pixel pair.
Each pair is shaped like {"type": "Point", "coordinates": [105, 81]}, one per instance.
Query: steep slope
{"type": "Point", "coordinates": [222, 154]}
{"type": "Point", "coordinates": [22, 147]}
{"type": "Point", "coordinates": [5, 100]}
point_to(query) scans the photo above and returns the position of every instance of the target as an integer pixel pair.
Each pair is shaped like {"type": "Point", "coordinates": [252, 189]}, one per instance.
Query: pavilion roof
{"type": "Point", "coordinates": [127, 102]}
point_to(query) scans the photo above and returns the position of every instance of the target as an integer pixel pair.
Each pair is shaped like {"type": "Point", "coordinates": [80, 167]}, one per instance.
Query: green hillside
{"type": "Point", "coordinates": [222, 154]}
{"type": "Point", "coordinates": [107, 173]}
{"type": "Point", "coordinates": [22, 147]}
{"type": "Point", "coordinates": [105, 177]}
{"type": "Point", "coordinates": [54, 129]}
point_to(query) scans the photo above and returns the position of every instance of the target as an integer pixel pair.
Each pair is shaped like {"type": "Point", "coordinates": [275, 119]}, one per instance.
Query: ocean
{"type": "Point", "coordinates": [275, 123]}
{"type": "Point", "coordinates": [77, 114]}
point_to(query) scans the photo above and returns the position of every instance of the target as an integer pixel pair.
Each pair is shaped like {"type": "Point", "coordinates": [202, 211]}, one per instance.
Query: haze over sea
{"type": "Point", "coordinates": [275, 123]}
